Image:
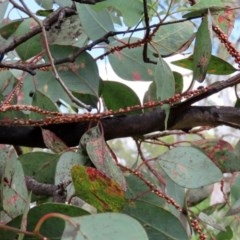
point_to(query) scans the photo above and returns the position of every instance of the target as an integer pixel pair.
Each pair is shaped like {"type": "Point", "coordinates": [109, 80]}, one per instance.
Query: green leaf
{"type": "Point", "coordinates": [81, 76]}
{"type": "Point", "coordinates": [106, 226]}
{"type": "Point", "coordinates": [237, 103]}
{"type": "Point", "coordinates": [151, 93]}
{"type": "Point", "coordinates": [202, 49]}
{"type": "Point", "coordinates": [7, 29]}
{"type": "Point", "coordinates": [97, 189]}
{"type": "Point", "coordinates": [88, 99]}
{"type": "Point", "coordinates": [140, 196]}
{"type": "Point", "coordinates": [131, 11]}
{"type": "Point", "coordinates": [31, 47]}
{"type": "Point", "coordinates": [100, 155]}
{"type": "Point", "coordinates": [7, 82]}
{"type": "Point", "coordinates": [52, 228]}
{"type": "Point", "coordinates": [189, 167]}
{"type": "Point", "coordinates": [178, 82]}
{"type": "Point", "coordinates": [129, 65]}
{"type": "Point", "coordinates": [164, 80]}
{"type": "Point", "coordinates": [12, 114]}
{"type": "Point", "coordinates": [42, 101]}
{"type": "Point", "coordinates": [118, 95]}
{"type": "Point", "coordinates": [158, 222]}
{"type": "Point", "coordinates": [225, 235]}
{"type": "Point", "coordinates": [40, 165]}
{"type": "Point", "coordinates": [137, 189]}
{"type": "Point", "coordinates": [95, 23]}
{"type": "Point", "coordinates": [235, 193]}
{"type": "Point", "coordinates": [202, 7]}
{"type": "Point", "coordinates": [203, 4]}
{"type": "Point", "coordinates": [13, 188]}
{"type": "Point", "coordinates": [174, 38]}
{"type": "Point", "coordinates": [217, 66]}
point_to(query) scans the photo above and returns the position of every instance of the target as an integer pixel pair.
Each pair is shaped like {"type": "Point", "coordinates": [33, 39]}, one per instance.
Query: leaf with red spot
{"type": "Point", "coordinates": [226, 20]}
{"type": "Point", "coordinates": [13, 188]}
{"type": "Point", "coordinates": [221, 153]}
{"type": "Point", "coordinates": [101, 157]}
{"type": "Point", "coordinates": [136, 76]}
{"type": "Point", "coordinates": [129, 64]}
{"type": "Point", "coordinates": [97, 189]}
{"type": "Point", "coordinates": [189, 167]}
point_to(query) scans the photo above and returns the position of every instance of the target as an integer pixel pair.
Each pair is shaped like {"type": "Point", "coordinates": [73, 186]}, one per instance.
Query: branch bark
{"type": "Point", "coordinates": [55, 191]}
{"type": "Point", "coordinates": [126, 125]}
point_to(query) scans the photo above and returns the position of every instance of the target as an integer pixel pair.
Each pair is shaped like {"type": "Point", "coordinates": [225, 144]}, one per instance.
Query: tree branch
{"type": "Point", "coordinates": [55, 191]}
{"type": "Point", "coordinates": [126, 125]}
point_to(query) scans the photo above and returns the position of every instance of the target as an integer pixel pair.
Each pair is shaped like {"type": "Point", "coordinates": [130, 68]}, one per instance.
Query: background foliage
{"type": "Point", "coordinates": [62, 176]}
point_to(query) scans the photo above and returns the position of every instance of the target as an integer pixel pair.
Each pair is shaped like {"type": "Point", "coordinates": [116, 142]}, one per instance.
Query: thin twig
{"type": "Point", "coordinates": [147, 37]}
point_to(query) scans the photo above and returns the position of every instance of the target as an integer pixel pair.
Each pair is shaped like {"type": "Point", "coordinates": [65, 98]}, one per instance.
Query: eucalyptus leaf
{"type": "Point", "coordinates": [164, 80]}
{"type": "Point", "coordinates": [95, 23]}
{"type": "Point", "coordinates": [129, 65]}
{"type": "Point", "coordinates": [189, 167]}
{"type": "Point", "coordinates": [131, 11]}
{"type": "Point", "coordinates": [217, 66]}
{"type": "Point", "coordinates": [32, 46]}
{"type": "Point", "coordinates": [106, 226]}
{"type": "Point", "coordinates": [101, 156]}
{"type": "Point", "coordinates": [202, 49]}
{"type": "Point", "coordinates": [43, 102]}
{"type": "Point", "coordinates": [173, 39]}
{"type": "Point", "coordinates": [13, 187]}
{"type": "Point", "coordinates": [102, 192]}
{"type": "Point", "coordinates": [118, 95]}
{"type": "Point", "coordinates": [40, 165]}
{"type": "Point", "coordinates": [158, 222]}
{"type": "Point", "coordinates": [53, 228]}
{"type": "Point", "coordinates": [202, 7]}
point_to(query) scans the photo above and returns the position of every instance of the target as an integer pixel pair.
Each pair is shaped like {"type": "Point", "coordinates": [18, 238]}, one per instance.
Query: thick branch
{"type": "Point", "coordinates": [126, 125]}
